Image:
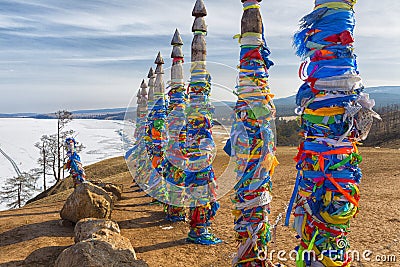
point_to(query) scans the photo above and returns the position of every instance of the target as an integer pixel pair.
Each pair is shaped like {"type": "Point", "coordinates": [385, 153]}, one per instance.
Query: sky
{"type": "Point", "coordinates": [93, 54]}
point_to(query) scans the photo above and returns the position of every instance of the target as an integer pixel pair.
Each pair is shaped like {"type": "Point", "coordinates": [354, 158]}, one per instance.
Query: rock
{"type": "Point", "coordinates": [66, 223]}
{"type": "Point", "coordinates": [45, 256]}
{"type": "Point", "coordinates": [116, 190]}
{"type": "Point", "coordinates": [99, 243]}
{"type": "Point", "coordinates": [97, 253]}
{"type": "Point", "coordinates": [90, 227]}
{"type": "Point", "coordinates": [87, 201]}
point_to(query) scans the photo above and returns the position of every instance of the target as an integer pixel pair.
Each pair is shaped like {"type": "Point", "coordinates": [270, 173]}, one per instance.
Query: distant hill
{"type": "Point", "coordinates": [99, 111]}
{"type": "Point", "coordinates": [101, 114]}
{"type": "Point", "coordinates": [395, 90]}
{"type": "Point", "coordinates": [383, 95]}
{"type": "Point", "coordinates": [285, 106]}
{"type": "Point", "coordinates": [17, 115]}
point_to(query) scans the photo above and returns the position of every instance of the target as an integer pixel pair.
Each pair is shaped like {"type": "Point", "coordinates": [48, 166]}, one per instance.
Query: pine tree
{"type": "Point", "coordinates": [17, 190]}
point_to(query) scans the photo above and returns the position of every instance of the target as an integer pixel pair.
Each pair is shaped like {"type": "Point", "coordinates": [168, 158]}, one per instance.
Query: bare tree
{"type": "Point", "coordinates": [47, 160]}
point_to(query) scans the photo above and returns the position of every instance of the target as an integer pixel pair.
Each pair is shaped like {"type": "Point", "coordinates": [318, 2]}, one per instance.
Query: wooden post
{"type": "Point", "coordinates": [156, 132]}
{"type": "Point", "coordinates": [334, 115]}
{"type": "Point", "coordinates": [143, 97]}
{"type": "Point", "coordinates": [63, 163]}
{"type": "Point", "coordinates": [199, 28]}
{"type": "Point", "coordinates": [199, 131]}
{"type": "Point", "coordinates": [143, 94]}
{"type": "Point", "coordinates": [173, 162]}
{"type": "Point", "coordinates": [138, 102]}
{"type": "Point", "coordinates": [254, 145]}
{"type": "Point", "coordinates": [138, 162]}
{"type": "Point", "coordinates": [58, 150]}
{"type": "Point", "coordinates": [159, 87]}
{"type": "Point", "coordinates": [251, 20]}
{"type": "Point", "coordinates": [74, 164]}
{"type": "Point", "coordinates": [142, 111]}
{"type": "Point", "coordinates": [138, 111]}
{"type": "Point", "coordinates": [150, 97]}
{"type": "Point", "coordinates": [44, 167]}
{"type": "Point", "coordinates": [177, 58]}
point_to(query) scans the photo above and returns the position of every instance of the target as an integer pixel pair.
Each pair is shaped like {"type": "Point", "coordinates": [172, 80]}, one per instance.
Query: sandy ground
{"type": "Point", "coordinates": [32, 236]}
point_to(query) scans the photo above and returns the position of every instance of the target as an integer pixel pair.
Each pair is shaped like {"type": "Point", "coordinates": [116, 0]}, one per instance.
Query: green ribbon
{"type": "Point", "coordinates": [159, 124]}
{"type": "Point", "coordinates": [352, 156]}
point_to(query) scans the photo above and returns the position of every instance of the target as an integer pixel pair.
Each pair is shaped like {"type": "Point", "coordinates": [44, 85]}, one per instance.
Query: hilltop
{"type": "Point", "coordinates": [32, 236]}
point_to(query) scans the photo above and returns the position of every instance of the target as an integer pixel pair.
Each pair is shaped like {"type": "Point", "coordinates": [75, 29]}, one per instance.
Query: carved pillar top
{"type": "Point", "coordinates": [159, 86]}
{"type": "Point", "coordinates": [199, 28]}
{"type": "Point", "coordinates": [177, 45]}
{"type": "Point", "coordinates": [251, 19]}
{"type": "Point", "coordinates": [139, 104]}
{"type": "Point", "coordinates": [152, 78]}
{"type": "Point", "coordinates": [138, 96]}
{"type": "Point", "coordinates": [177, 55]}
{"type": "Point", "coordinates": [143, 87]}
{"type": "Point", "coordinates": [143, 94]}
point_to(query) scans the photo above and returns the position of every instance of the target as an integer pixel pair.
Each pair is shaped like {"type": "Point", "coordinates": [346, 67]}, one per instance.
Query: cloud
{"type": "Point", "coordinates": [87, 47]}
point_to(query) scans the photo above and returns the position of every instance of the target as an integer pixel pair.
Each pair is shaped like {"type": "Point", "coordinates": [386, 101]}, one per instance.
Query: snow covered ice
{"type": "Point", "coordinates": [102, 139]}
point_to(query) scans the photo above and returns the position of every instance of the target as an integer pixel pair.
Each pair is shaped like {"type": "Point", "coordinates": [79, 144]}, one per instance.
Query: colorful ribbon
{"type": "Point", "coordinates": [135, 154]}
{"type": "Point", "coordinates": [335, 115]}
{"type": "Point", "coordinates": [176, 132]}
{"type": "Point", "coordinates": [199, 152]}
{"type": "Point", "coordinates": [74, 164]}
{"type": "Point", "coordinates": [156, 137]}
{"type": "Point", "coordinates": [252, 143]}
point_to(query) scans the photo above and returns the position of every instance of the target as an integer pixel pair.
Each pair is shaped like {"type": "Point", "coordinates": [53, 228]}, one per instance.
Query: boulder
{"type": "Point", "coordinates": [44, 256]}
{"type": "Point", "coordinates": [87, 201]}
{"type": "Point", "coordinates": [116, 190]}
{"type": "Point", "coordinates": [97, 253]}
{"type": "Point", "coordinates": [89, 228]}
{"type": "Point", "coordinates": [99, 243]}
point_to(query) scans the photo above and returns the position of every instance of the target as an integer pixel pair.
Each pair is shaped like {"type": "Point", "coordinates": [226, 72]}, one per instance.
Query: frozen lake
{"type": "Point", "coordinates": [102, 139]}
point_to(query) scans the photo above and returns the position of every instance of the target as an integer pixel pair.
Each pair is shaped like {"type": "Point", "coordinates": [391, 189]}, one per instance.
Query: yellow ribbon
{"type": "Point", "coordinates": [336, 5]}
{"type": "Point", "coordinates": [245, 156]}
{"type": "Point", "coordinates": [251, 7]}
{"type": "Point", "coordinates": [247, 34]}
{"type": "Point", "coordinates": [339, 219]}
{"type": "Point", "coordinates": [275, 163]}
{"type": "Point", "coordinates": [331, 111]}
